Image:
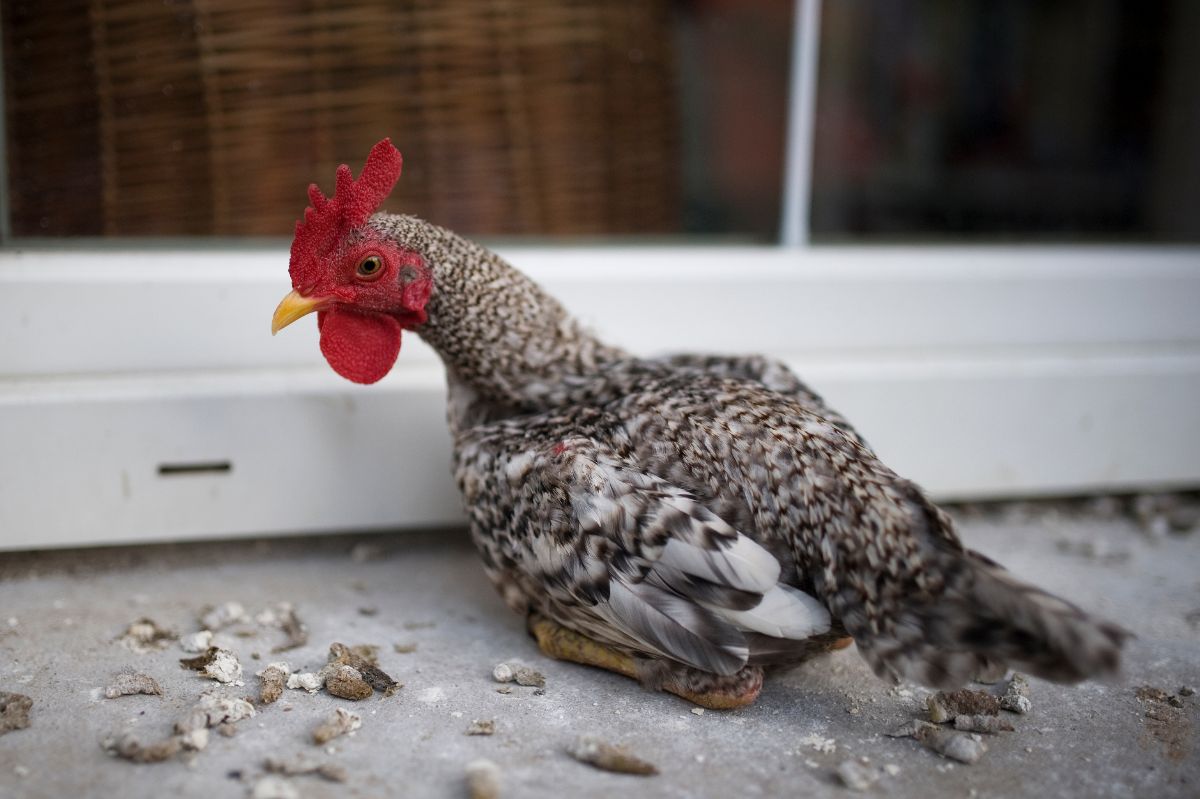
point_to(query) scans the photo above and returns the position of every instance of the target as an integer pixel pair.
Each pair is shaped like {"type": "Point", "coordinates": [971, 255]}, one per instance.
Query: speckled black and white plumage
{"type": "Point", "coordinates": [706, 513]}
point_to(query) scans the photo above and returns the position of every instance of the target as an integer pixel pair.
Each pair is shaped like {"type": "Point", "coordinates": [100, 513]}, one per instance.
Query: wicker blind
{"type": "Point", "coordinates": [212, 116]}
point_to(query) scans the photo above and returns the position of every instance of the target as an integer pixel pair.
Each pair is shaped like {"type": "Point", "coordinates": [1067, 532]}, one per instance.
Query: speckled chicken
{"type": "Point", "coordinates": [685, 520]}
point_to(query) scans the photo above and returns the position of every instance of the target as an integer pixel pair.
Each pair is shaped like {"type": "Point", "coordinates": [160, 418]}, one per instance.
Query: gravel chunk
{"type": "Point", "coordinates": [986, 724]}
{"type": "Point", "coordinates": [955, 745]}
{"type": "Point", "coordinates": [944, 707]}
{"type": "Point", "coordinates": [144, 635]}
{"type": "Point", "coordinates": [855, 775]}
{"type": "Point", "coordinates": [347, 682]}
{"type": "Point", "coordinates": [130, 748]}
{"type": "Point", "coordinates": [530, 677]}
{"type": "Point", "coordinates": [273, 787]}
{"type": "Point", "coordinates": [1016, 695]}
{"type": "Point", "coordinates": [14, 711]}
{"type": "Point", "coordinates": [363, 659]}
{"type": "Point", "coordinates": [196, 642]}
{"type": "Point", "coordinates": [128, 683]}
{"type": "Point", "coordinates": [483, 779]}
{"type": "Point", "coordinates": [340, 722]}
{"type": "Point", "coordinates": [295, 630]}
{"type": "Point", "coordinates": [307, 681]}
{"type": "Point", "coordinates": [909, 729]}
{"type": "Point", "coordinates": [216, 663]}
{"type": "Point", "coordinates": [223, 615]}
{"type": "Point", "coordinates": [213, 709]}
{"type": "Point", "coordinates": [273, 679]}
{"type": "Point", "coordinates": [516, 672]}
{"type": "Point", "coordinates": [482, 727]}
{"type": "Point", "coordinates": [594, 752]}
{"type": "Point", "coordinates": [301, 765]}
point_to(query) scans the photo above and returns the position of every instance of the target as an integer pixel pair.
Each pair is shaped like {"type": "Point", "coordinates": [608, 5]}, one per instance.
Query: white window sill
{"type": "Point", "coordinates": [975, 371]}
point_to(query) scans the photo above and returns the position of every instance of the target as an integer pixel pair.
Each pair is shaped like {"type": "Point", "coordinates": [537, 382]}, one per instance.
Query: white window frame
{"type": "Point", "coordinates": [982, 371]}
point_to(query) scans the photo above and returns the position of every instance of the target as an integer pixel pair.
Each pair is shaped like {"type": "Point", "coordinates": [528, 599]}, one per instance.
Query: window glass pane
{"type": "Point", "coordinates": [1066, 120]}
{"type": "Point", "coordinates": [210, 117]}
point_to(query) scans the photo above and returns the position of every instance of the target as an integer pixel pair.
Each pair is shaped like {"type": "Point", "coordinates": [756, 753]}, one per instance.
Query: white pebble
{"type": "Point", "coordinates": [307, 681]}
{"type": "Point", "coordinates": [856, 776]}
{"type": "Point", "coordinates": [272, 787]}
{"type": "Point", "coordinates": [196, 642]}
{"type": "Point", "coordinates": [483, 779]}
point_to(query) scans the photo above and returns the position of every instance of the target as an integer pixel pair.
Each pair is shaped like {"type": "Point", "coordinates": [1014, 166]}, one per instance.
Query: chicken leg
{"type": "Point", "coordinates": [712, 691]}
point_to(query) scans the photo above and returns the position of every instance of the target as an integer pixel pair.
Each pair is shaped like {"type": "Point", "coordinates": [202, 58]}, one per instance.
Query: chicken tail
{"type": "Point", "coordinates": [985, 621]}
{"type": "Point", "coordinates": [980, 620]}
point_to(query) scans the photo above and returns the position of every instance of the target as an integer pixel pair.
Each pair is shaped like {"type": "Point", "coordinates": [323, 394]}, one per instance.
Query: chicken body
{"type": "Point", "coordinates": [705, 515]}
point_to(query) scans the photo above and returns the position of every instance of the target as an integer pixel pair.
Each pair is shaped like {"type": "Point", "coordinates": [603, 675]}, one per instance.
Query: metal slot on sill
{"type": "Point", "coordinates": [198, 467]}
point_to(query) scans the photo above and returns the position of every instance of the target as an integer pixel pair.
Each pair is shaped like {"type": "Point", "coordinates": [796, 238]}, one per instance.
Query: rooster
{"type": "Point", "coordinates": [686, 521]}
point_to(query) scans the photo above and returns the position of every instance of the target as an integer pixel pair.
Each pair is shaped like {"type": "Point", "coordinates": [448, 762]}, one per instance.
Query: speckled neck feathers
{"type": "Point", "coordinates": [504, 341]}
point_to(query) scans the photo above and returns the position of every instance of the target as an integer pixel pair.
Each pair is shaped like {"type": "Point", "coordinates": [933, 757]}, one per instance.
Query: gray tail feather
{"type": "Point", "coordinates": [984, 619]}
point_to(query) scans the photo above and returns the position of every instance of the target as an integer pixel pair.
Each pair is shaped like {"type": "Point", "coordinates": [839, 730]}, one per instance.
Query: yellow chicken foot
{"type": "Point", "coordinates": [725, 693]}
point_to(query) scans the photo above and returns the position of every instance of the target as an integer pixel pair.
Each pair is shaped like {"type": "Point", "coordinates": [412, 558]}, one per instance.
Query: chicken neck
{"type": "Point", "coordinates": [505, 342]}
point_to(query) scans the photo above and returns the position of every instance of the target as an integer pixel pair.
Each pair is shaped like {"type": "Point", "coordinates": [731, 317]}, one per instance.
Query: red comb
{"type": "Point", "coordinates": [328, 220]}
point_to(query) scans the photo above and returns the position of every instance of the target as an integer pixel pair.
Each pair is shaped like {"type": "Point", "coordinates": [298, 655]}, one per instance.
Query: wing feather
{"type": "Point", "coordinates": [682, 581]}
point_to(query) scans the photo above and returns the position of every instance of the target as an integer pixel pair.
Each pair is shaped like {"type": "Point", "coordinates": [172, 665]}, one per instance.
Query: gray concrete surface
{"type": "Point", "coordinates": [61, 611]}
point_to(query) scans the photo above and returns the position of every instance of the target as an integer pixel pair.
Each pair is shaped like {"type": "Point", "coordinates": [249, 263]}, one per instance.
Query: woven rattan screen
{"type": "Point", "coordinates": [168, 117]}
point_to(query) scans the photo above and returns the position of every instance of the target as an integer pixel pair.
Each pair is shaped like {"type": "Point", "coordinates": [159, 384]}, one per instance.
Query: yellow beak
{"type": "Point", "coordinates": [291, 308]}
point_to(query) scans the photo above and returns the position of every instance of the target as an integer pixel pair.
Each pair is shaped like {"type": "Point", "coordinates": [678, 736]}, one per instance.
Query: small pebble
{"type": "Point", "coordinates": [142, 636]}
{"type": "Point", "coordinates": [348, 683]}
{"type": "Point", "coordinates": [1016, 695]}
{"type": "Point", "coordinates": [212, 710]}
{"type": "Point", "coordinates": [340, 722]}
{"type": "Point", "coordinates": [216, 663]}
{"type": "Point", "coordinates": [482, 727]}
{"type": "Point", "coordinates": [856, 776]}
{"type": "Point", "coordinates": [483, 779]}
{"type": "Point", "coordinates": [223, 615]}
{"type": "Point", "coordinates": [529, 677]}
{"type": "Point", "coordinates": [274, 680]}
{"type": "Point", "coordinates": [955, 745]}
{"type": "Point", "coordinates": [302, 765]}
{"type": "Point", "coordinates": [195, 740]}
{"type": "Point", "coordinates": [130, 748]}
{"type": "Point", "coordinates": [987, 724]}
{"type": "Point", "coordinates": [272, 787]}
{"type": "Point", "coordinates": [594, 752]}
{"type": "Point", "coordinates": [306, 682]}
{"type": "Point", "coordinates": [196, 642]}
{"type": "Point", "coordinates": [943, 706]}
{"type": "Point", "coordinates": [128, 683]}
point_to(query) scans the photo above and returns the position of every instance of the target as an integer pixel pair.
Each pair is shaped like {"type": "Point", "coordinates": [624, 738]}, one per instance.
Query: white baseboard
{"type": "Point", "coordinates": [307, 452]}
{"type": "Point", "coordinates": [978, 373]}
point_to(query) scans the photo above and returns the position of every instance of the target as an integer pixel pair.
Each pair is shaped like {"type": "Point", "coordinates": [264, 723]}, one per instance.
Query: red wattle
{"type": "Point", "coordinates": [361, 347]}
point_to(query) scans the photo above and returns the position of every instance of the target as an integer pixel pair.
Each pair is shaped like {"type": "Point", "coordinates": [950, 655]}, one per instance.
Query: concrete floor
{"type": "Point", "coordinates": [61, 611]}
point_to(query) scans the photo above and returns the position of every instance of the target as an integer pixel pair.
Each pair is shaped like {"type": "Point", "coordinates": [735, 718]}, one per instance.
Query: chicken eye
{"type": "Point", "coordinates": [370, 267]}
